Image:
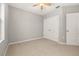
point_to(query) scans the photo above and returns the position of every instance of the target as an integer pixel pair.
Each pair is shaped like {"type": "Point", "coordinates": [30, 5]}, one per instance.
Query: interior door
{"type": "Point", "coordinates": [51, 28]}
{"type": "Point", "coordinates": [72, 26]}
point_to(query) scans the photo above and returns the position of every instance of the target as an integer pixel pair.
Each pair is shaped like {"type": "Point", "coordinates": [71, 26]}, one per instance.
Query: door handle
{"type": "Point", "coordinates": [67, 30]}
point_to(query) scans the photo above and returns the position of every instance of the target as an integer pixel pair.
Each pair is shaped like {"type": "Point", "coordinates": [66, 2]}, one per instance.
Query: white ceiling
{"type": "Point", "coordinates": [29, 7]}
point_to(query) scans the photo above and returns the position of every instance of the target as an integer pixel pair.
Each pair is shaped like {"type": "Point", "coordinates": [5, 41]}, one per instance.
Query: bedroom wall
{"type": "Point", "coordinates": [24, 25]}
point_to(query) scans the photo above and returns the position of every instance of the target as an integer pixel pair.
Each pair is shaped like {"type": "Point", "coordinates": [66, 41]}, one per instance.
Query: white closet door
{"type": "Point", "coordinates": [72, 27]}
{"type": "Point", "coordinates": [51, 28]}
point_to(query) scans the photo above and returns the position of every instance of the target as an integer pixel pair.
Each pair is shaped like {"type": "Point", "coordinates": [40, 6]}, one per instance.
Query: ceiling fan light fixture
{"type": "Point", "coordinates": [42, 5]}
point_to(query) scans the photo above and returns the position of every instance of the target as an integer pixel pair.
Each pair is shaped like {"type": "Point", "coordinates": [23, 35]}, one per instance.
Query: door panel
{"type": "Point", "coordinates": [72, 28]}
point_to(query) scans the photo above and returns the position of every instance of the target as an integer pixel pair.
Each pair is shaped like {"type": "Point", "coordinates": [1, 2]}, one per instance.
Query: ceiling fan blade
{"type": "Point", "coordinates": [35, 5]}
{"type": "Point", "coordinates": [48, 4]}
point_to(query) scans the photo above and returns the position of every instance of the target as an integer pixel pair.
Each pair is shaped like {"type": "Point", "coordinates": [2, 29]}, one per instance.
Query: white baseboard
{"type": "Point", "coordinates": [53, 39]}
{"type": "Point", "coordinates": [62, 43]}
{"type": "Point", "coordinates": [74, 44]}
{"type": "Point", "coordinates": [37, 39]}
{"type": "Point", "coordinates": [25, 40]}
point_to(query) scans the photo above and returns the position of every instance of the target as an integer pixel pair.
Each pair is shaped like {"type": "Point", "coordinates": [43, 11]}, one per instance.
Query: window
{"type": "Point", "coordinates": [2, 22]}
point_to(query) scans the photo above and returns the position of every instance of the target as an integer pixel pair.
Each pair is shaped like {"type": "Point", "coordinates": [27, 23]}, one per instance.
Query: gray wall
{"type": "Point", "coordinates": [24, 25]}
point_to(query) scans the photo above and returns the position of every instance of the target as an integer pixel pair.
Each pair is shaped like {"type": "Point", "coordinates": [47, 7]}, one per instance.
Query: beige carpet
{"type": "Point", "coordinates": [42, 47]}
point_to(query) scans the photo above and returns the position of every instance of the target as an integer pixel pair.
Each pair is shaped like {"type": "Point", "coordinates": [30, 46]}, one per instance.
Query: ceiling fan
{"type": "Point", "coordinates": [42, 5]}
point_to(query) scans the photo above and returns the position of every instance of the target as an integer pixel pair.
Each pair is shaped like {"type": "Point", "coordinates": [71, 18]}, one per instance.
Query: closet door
{"type": "Point", "coordinates": [51, 28]}
{"type": "Point", "coordinates": [72, 28]}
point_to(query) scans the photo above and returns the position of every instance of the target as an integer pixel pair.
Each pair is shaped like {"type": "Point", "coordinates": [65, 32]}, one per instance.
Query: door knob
{"type": "Point", "coordinates": [67, 30]}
